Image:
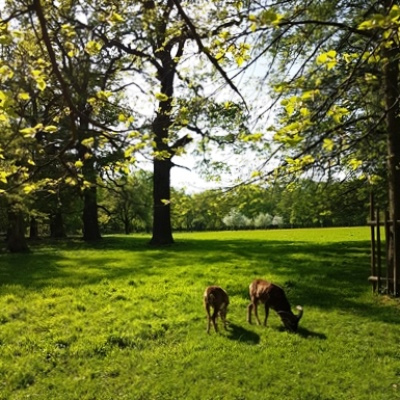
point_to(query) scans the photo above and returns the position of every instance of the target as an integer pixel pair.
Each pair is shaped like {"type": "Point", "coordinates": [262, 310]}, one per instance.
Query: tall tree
{"type": "Point", "coordinates": [163, 59]}
{"type": "Point", "coordinates": [68, 102]}
{"type": "Point", "coordinates": [336, 69]}
{"type": "Point", "coordinates": [148, 46]}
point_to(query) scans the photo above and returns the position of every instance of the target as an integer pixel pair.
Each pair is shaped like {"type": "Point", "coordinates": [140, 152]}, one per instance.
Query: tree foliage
{"type": "Point", "coordinates": [90, 85]}
{"type": "Point", "coordinates": [307, 203]}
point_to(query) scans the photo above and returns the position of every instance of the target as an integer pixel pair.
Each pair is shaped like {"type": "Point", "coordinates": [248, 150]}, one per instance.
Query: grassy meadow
{"type": "Point", "coordinates": [122, 320]}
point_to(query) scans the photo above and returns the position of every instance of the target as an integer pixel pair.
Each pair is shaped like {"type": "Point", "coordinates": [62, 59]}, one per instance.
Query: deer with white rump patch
{"type": "Point", "coordinates": [217, 298]}
{"type": "Point", "coordinates": [272, 296]}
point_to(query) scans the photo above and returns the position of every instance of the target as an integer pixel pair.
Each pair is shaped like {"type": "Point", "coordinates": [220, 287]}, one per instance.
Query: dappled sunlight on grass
{"type": "Point", "coordinates": [122, 319]}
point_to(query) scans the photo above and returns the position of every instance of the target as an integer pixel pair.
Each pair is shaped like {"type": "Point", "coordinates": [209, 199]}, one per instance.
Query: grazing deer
{"type": "Point", "coordinates": [273, 297]}
{"type": "Point", "coordinates": [218, 299]}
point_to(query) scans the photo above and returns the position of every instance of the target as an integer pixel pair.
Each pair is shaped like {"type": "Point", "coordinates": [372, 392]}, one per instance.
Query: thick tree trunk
{"type": "Point", "coordinates": [391, 87]}
{"type": "Point", "coordinates": [90, 219]}
{"type": "Point", "coordinates": [16, 241]}
{"type": "Point", "coordinates": [57, 229]}
{"type": "Point", "coordinates": [91, 228]}
{"type": "Point", "coordinates": [168, 56]}
{"type": "Point", "coordinates": [127, 225]}
{"type": "Point", "coordinates": [90, 216]}
{"type": "Point", "coordinates": [162, 229]}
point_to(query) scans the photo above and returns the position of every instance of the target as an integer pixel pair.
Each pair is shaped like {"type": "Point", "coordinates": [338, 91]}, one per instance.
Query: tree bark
{"type": "Point", "coordinates": [162, 164]}
{"type": "Point", "coordinates": [162, 229]}
{"type": "Point", "coordinates": [391, 95]}
{"type": "Point", "coordinates": [33, 228]}
{"type": "Point", "coordinates": [57, 229]}
{"type": "Point", "coordinates": [16, 241]}
{"type": "Point", "coordinates": [91, 229]}
{"type": "Point", "coordinates": [90, 219]}
{"type": "Point", "coordinates": [127, 224]}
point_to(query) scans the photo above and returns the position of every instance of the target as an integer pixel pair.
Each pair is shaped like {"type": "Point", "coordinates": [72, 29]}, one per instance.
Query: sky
{"type": "Point", "coordinates": [191, 180]}
{"type": "Point", "coordinates": [251, 85]}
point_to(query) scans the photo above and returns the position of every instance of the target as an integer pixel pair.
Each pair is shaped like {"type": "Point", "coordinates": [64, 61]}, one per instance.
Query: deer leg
{"type": "Point", "coordinates": [249, 311]}
{"type": "Point", "coordinates": [255, 304]}
{"type": "Point", "coordinates": [222, 313]}
{"type": "Point", "coordinates": [213, 318]}
{"type": "Point", "coordinates": [266, 314]}
{"type": "Point", "coordinates": [207, 307]}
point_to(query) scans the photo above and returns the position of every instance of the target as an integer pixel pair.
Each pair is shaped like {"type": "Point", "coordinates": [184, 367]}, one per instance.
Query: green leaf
{"type": "Point", "coordinates": [50, 128]}
{"type": "Point", "coordinates": [3, 177]}
{"type": "Point", "coordinates": [268, 17]}
{"type": "Point", "coordinates": [161, 97]}
{"type": "Point", "coordinates": [24, 96]}
{"type": "Point", "coordinates": [366, 25]}
{"type": "Point", "coordinates": [394, 13]}
{"type": "Point", "coordinates": [328, 144]}
{"type": "Point", "coordinates": [328, 58]}
{"type": "Point", "coordinates": [28, 131]}
{"type": "Point", "coordinates": [355, 164]}
{"type": "Point", "coordinates": [321, 59]}
{"type": "Point", "coordinates": [41, 84]}
{"type": "Point", "coordinates": [29, 188]}
{"type": "Point", "coordinates": [116, 18]}
{"type": "Point", "coordinates": [93, 47]}
{"type": "Point", "coordinates": [304, 111]}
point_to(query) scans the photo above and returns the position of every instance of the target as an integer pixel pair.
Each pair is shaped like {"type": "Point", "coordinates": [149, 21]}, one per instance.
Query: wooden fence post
{"type": "Point", "coordinates": [387, 233]}
{"type": "Point", "coordinates": [373, 257]}
{"type": "Point", "coordinates": [379, 252]}
{"type": "Point", "coordinates": [395, 255]}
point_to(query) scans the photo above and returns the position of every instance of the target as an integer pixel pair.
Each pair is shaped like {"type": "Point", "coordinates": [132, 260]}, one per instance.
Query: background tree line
{"type": "Point", "coordinates": [125, 207]}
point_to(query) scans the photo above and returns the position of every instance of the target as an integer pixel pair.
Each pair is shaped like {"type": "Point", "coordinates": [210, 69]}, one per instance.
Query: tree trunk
{"type": "Point", "coordinates": [162, 164]}
{"type": "Point", "coordinates": [391, 87]}
{"type": "Point", "coordinates": [162, 230]}
{"type": "Point", "coordinates": [91, 229]}
{"type": "Point", "coordinates": [57, 229]}
{"type": "Point", "coordinates": [90, 218]}
{"type": "Point", "coordinates": [127, 225]}
{"type": "Point", "coordinates": [33, 228]}
{"type": "Point", "coordinates": [16, 241]}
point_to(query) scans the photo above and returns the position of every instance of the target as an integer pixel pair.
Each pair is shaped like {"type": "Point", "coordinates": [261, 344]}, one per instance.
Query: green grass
{"type": "Point", "coordinates": [122, 320]}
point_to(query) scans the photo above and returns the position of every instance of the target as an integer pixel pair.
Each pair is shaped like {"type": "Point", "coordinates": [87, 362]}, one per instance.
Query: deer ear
{"type": "Point", "coordinates": [300, 314]}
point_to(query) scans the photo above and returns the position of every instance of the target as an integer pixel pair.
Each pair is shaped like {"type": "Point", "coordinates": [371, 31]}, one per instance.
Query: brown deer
{"type": "Point", "coordinates": [218, 299]}
{"type": "Point", "coordinates": [273, 297]}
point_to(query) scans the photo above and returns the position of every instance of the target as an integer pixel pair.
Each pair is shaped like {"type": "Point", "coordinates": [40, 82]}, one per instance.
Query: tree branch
{"type": "Point", "coordinates": [212, 59]}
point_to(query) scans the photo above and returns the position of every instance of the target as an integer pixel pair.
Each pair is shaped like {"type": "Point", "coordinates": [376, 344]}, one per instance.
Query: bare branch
{"type": "Point", "coordinates": [212, 59]}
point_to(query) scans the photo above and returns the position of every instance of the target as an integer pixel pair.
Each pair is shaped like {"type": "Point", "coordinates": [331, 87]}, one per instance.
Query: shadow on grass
{"type": "Point", "coordinates": [243, 335]}
{"type": "Point", "coordinates": [328, 276]}
{"type": "Point", "coordinates": [305, 333]}
{"type": "Point", "coordinates": [301, 331]}
{"type": "Point", "coordinates": [72, 263]}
